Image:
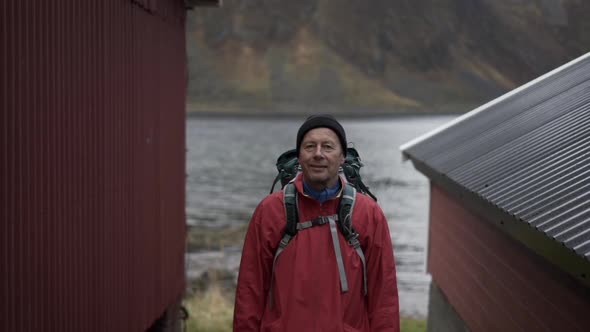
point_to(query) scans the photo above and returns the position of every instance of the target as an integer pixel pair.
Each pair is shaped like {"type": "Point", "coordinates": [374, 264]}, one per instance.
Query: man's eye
{"type": "Point", "coordinates": [328, 147]}
{"type": "Point", "coordinates": [309, 147]}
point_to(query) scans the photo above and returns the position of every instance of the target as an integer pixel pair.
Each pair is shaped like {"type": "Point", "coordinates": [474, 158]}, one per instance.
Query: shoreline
{"type": "Point", "coordinates": [301, 115]}
{"type": "Point", "coordinates": [292, 111]}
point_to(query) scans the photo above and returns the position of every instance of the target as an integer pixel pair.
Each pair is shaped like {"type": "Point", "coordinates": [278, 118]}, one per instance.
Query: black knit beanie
{"type": "Point", "coordinates": [322, 121]}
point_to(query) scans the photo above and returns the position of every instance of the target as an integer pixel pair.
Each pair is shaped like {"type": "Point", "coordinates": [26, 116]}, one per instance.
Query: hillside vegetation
{"type": "Point", "coordinates": [257, 56]}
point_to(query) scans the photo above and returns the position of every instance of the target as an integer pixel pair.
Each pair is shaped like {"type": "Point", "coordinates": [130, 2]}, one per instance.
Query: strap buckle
{"type": "Point", "coordinates": [353, 240]}
{"type": "Point", "coordinates": [285, 241]}
{"type": "Point", "coordinates": [320, 220]}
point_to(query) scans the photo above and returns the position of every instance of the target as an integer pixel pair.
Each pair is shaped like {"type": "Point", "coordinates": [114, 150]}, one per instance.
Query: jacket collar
{"type": "Point", "coordinates": [298, 181]}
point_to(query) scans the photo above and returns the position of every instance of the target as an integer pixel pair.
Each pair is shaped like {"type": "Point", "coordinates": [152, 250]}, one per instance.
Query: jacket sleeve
{"type": "Point", "coordinates": [254, 276]}
{"type": "Point", "coordinates": [382, 297]}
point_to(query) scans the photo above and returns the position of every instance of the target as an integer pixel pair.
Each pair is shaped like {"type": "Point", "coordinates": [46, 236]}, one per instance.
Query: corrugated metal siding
{"type": "Point", "coordinates": [527, 155]}
{"type": "Point", "coordinates": [491, 282]}
{"type": "Point", "coordinates": [92, 170]}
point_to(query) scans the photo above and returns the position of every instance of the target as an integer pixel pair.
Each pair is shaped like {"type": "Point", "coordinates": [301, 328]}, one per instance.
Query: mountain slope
{"type": "Point", "coordinates": [375, 56]}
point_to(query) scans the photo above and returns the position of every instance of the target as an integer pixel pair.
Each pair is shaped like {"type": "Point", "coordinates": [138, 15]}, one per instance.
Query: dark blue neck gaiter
{"type": "Point", "coordinates": [322, 195]}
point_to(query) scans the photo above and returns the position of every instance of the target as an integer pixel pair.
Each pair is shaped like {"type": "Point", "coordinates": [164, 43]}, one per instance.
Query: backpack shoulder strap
{"type": "Point", "coordinates": [345, 211]}
{"type": "Point", "coordinates": [291, 208]}
{"type": "Point", "coordinates": [292, 216]}
{"type": "Point", "coordinates": [345, 223]}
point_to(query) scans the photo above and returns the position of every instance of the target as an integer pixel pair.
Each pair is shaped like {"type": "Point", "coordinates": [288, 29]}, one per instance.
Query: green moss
{"type": "Point", "coordinates": [412, 325]}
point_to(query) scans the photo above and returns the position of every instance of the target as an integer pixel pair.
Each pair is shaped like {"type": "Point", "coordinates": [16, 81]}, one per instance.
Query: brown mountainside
{"type": "Point", "coordinates": [375, 56]}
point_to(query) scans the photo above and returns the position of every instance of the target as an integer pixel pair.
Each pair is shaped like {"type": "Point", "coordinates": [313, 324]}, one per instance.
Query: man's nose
{"type": "Point", "coordinates": [319, 151]}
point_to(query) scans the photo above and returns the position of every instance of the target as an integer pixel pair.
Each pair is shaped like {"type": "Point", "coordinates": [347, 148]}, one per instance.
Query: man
{"type": "Point", "coordinates": [318, 282]}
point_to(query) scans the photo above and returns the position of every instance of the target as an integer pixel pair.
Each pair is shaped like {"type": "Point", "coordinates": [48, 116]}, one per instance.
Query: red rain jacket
{"type": "Point", "coordinates": [306, 285]}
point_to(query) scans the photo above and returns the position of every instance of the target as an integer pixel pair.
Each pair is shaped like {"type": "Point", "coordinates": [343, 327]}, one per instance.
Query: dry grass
{"type": "Point", "coordinates": [210, 311]}
{"type": "Point", "coordinates": [201, 238]}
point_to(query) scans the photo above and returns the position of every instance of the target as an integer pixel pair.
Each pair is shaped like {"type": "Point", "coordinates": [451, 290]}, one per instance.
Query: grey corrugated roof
{"type": "Point", "coordinates": [526, 153]}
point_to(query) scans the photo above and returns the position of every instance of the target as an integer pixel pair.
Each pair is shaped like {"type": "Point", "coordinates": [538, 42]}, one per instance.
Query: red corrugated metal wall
{"type": "Point", "coordinates": [92, 97]}
{"type": "Point", "coordinates": [495, 283]}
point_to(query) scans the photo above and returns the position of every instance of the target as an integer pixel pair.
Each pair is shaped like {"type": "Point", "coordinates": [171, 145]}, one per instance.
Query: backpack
{"type": "Point", "coordinates": [288, 167]}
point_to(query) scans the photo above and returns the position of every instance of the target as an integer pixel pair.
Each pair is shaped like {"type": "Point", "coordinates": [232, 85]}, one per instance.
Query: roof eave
{"type": "Point", "coordinates": [567, 260]}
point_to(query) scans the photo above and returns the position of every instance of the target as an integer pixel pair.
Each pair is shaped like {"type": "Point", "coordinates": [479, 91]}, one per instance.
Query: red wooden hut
{"type": "Point", "coordinates": [92, 174]}
{"type": "Point", "coordinates": [509, 234]}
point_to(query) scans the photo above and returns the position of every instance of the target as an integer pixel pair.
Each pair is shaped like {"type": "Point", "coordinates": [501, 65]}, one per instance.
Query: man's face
{"type": "Point", "coordinates": [320, 157]}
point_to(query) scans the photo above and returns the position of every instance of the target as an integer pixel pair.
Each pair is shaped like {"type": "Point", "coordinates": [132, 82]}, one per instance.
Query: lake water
{"type": "Point", "coordinates": [231, 166]}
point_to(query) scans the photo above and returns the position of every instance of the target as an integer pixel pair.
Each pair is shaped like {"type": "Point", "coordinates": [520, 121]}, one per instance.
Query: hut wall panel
{"type": "Point", "coordinates": [494, 282]}
{"type": "Point", "coordinates": [92, 171]}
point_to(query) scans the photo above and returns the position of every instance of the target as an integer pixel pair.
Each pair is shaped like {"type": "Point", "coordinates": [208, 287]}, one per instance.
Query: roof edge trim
{"type": "Point", "coordinates": [403, 148]}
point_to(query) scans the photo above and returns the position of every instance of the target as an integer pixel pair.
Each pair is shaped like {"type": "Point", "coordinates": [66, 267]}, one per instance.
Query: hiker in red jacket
{"type": "Point", "coordinates": [316, 279]}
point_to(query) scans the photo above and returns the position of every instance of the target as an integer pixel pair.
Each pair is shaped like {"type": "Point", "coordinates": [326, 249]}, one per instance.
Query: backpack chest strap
{"type": "Point", "coordinates": [320, 220]}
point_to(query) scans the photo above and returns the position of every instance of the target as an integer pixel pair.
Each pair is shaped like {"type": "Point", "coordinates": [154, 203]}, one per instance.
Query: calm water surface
{"type": "Point", "coordinates": [231, 166]}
